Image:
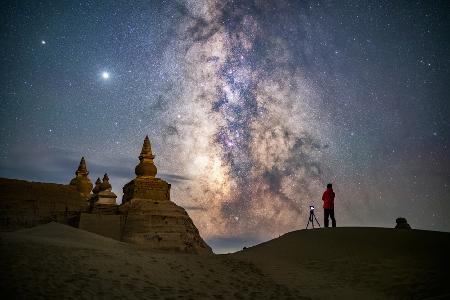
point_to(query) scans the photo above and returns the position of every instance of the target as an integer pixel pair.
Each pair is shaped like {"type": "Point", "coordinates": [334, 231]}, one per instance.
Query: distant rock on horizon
{"type": "Point", "coordinates": [402, 224]}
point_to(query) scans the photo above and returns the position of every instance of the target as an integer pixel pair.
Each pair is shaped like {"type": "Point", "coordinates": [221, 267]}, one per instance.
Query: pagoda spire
{"type": "Point", "coordinates": [81, 180]}
{"type": "Point", "coordinates": [105, 185]}
{"type": "Point", "coordinates": [96, 189]}
{"type": "Point", "coordinates": [146, 151]}
{"type": "Point", "coordinates": [82, 169]}
{"type": "Point", "coordinates": [146, 167]}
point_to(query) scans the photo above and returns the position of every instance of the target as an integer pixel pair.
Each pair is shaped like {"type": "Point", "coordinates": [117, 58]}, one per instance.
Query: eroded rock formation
{"type": "Point", "coordinates": [26, 204]}
{"type": "Point", "coordinates": [402, 224]}
{"type": "Point", "coordinates": [151, 219]}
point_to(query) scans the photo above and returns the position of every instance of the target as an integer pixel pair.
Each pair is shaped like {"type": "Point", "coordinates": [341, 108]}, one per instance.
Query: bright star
{"type": "Point", "coordinates": [43, 42]}
{"type": "Point", "coordinates": [105, 75]}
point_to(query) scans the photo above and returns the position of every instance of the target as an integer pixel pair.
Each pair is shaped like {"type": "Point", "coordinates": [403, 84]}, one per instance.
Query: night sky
{"type": "Point", "coordinates": [251, 107]}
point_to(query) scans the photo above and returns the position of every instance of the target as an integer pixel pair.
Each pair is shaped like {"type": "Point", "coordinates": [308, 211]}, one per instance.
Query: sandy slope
{"type": "Point", "coordinates": [358, 263]}
{"type": "Point", "coordinates": [55, 261]}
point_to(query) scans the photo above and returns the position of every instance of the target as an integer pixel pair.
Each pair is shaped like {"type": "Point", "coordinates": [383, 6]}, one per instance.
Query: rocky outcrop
{"type": "Point", "coordinates": [151, 219]}
{"type": "Point", "coordinates": [27, 204]}
{"type": "Point", "coordinates": [402, 224]}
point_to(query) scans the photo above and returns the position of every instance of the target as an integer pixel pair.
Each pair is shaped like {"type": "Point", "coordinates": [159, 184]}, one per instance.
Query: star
{"type": "Point", "coordinates": [258, 107]}
{"type": "Point", "coordinates": [105, 75]}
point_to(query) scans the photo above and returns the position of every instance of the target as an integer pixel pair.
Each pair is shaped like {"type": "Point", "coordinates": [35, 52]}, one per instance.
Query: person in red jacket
{"type": "Point", "coordinates": [328, 205]}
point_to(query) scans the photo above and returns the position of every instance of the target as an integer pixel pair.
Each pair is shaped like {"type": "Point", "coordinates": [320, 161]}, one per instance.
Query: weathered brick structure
{"type": "Point", "coordinates": [147, 217]}
{"type": "Point", "coordinates": [151, 219]}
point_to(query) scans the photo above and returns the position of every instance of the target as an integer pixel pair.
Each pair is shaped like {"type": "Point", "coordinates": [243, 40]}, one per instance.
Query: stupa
{"type": "Point", "coordinates": [146, 185]}
{"type": "Point", "coordinates": [103, 199]}
{"type": "Point", "coordinates": [96, 189]}
{"type": "Point", "coordinates": [152, 220]}
{"type": "Point", "coordinates": [81, 180]}
{"type": "Point", "coordinates": [105, 196]}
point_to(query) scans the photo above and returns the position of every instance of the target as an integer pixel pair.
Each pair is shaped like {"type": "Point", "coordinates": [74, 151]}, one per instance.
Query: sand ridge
{"type": "Point", "coordinates": [55, 261]}
{"type": "Point", "coordinates": [357, 263]}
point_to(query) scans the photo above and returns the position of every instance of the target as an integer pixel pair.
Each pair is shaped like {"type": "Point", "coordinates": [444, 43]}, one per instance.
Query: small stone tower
{"type": "Point", "coordinates": [151, 219]}
{"type": "Point", "coordinates": [105, 195]}
{"type": "Point", "coordinates": [103, 200]}
{"type": "Point", "coordinates": [146, 167]}
{"type": "Point", "coordinates": [145, 185]}
{"type": "Point", "coordinates": [81, 180]}
{"type": "Point", "coordinates": [96, 189]}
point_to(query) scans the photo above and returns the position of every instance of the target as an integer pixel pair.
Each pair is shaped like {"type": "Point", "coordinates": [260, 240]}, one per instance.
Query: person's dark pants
{"type": "Point", "coordinates": [329, 212]}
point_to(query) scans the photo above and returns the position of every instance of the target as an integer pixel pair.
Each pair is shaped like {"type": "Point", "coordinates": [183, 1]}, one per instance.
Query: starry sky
{"type": "Point", "coordinates": [252, 107]}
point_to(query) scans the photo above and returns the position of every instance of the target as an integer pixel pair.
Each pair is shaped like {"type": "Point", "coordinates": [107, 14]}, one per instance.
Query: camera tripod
{"type": "Point", "coordinates": [311, 219]}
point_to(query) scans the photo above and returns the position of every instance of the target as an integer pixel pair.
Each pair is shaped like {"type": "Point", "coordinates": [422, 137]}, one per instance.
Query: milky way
{"type": "Point", "coordinates": [252, 107]}
{"type": "Point", "coordinates": [254, 156]}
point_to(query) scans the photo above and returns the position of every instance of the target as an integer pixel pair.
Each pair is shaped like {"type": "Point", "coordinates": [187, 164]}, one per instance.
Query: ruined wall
{"type": "Point", "coordinates": [160, 225]}
{"type": "Point", "coordinates": [26, 204]}
{"type": "Point", "coordinates": [145, 188]}
{"type": "Point", "coordinates": [155, 223]}
{"type": "Point", "coordinates": [106, 225]}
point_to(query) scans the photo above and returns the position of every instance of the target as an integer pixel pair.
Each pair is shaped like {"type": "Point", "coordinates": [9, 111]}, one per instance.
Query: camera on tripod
{"type": "Point", "coordinates": [312, 217]}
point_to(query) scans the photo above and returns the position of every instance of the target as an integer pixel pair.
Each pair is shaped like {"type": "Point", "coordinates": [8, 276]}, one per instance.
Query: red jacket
{"type": "Point", "coordinates": [328, 198]}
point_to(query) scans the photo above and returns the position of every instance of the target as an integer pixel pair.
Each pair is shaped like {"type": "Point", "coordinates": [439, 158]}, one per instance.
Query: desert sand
{"type": "Point", "coordinates": [357, 263]}
{"type": "Point", "coordinates": [56, 261]}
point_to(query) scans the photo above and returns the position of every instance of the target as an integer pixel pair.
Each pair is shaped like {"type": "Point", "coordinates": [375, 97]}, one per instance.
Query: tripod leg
{"type": "Point", "coordinates": [317, 221]}
{"type": "Point", "coordinates": [310, 220]}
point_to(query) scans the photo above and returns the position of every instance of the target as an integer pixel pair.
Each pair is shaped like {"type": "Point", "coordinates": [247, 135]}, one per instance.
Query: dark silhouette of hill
{"type": "Point", "coordinates": [357, 262]}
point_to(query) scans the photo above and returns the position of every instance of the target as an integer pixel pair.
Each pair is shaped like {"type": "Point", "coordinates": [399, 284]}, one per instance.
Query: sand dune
{"type": "Point", "coordinates": [357, 263]}
{"type": "Point", "coordinates": [55, 261]}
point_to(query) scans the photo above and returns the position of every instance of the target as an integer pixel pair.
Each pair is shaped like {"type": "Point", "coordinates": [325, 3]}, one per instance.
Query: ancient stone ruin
{"type": "Point", "coordinates": [146, 217]}
{"type": "Point", "coordinates": [26, 204]}
{"type": "Point", "coordinates": [151, 218]}
{"type": "Point", "coordinates": [81, 180]}
{"type": "Point", "coordinates": [103, 200]}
